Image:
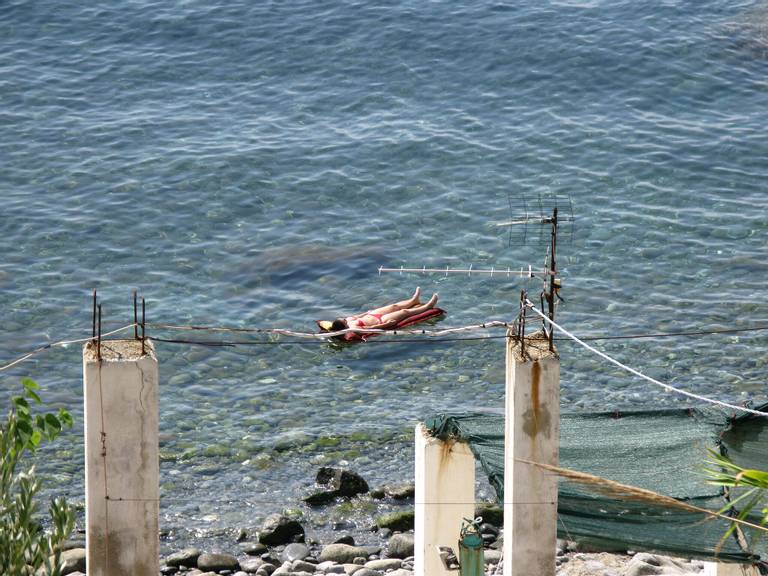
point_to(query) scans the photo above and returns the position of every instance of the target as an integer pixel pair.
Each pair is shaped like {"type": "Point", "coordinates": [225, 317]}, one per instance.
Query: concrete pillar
{"type": "Point", "coordinates": [532, 432]}
{"type": "Point", "coordinates": [725, 569]}
{"type": "Point", "coordinates": [121, 459]}
{"type": "Point", "coordinates": [445, 495]}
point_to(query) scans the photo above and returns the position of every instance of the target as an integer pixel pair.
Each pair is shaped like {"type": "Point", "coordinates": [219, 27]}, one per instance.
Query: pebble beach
{"type": "Point", "coordinates": [282, 545]}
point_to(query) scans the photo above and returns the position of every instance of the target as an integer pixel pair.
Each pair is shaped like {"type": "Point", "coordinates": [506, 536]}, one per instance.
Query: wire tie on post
{"type": "Point", "coordinates": [380, 267]}
{"type": "Point", "coordinates": [446, 271]}
{"type": "Point", "coordinates": [470, 271]}
{"type": "Point", "coordinates": [401, 270]}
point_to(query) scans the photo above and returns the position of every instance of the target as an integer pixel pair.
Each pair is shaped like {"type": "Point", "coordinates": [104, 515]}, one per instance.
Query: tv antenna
{"type": "Point", "coordinates": [549, 273]}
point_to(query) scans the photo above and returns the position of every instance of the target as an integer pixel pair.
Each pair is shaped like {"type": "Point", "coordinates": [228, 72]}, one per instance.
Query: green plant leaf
{"type": "Point", "coordinates": [53, 422]}
{"type": "Point", "coordinates": [35, 439]}
{"type": "Point", "coordinates": [65, 418]}
{"type": "Point", "coordinates": [29, 384]}
{"type": "Point", "coordinates": [21, 404]}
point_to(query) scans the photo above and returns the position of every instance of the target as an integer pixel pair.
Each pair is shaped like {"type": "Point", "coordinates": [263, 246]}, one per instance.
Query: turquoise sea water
{"type": "Point", "coordinates": [254, 163]}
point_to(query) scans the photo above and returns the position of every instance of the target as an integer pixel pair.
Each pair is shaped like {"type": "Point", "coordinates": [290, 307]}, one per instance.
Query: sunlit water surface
{"type": "Point", "coordinates": [254, 163]}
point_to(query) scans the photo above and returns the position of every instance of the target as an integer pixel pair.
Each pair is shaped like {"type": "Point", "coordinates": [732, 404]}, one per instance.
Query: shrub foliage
{"type": "Point", "coordinates": [25, 548]}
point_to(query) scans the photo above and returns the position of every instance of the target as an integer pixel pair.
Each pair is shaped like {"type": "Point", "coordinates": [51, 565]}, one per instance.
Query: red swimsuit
{"type": "Point", "coordinates": [361, 324]}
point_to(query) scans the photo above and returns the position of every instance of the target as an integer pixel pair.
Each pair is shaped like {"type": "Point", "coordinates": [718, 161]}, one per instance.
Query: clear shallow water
{"type": "Point", "coordinates": [254, 163]}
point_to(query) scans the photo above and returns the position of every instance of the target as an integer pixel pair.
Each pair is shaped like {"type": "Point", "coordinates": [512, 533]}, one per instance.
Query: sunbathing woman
{"type": "Point", "coordinates": [386, 316]}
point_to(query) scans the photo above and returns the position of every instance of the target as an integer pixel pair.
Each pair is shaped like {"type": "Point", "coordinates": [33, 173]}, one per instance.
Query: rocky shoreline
{"type": "Point", "coordinates": [281, 546]}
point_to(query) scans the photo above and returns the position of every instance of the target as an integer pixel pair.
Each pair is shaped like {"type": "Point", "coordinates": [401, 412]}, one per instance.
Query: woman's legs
{"type": "Point", "coordinates": [403, 304]}
{"type": "Point", "coordinates": [396, 316]}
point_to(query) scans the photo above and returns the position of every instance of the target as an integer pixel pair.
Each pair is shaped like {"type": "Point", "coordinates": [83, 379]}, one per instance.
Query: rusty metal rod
{"type": "Point", "coordinates": [93, 316]}
{"type": "Point", "coordinates": [135, 318]}
{"type": "Point", "coordinates": [98, 342]}
{"type": "Point", "coordinates": [143, 326]}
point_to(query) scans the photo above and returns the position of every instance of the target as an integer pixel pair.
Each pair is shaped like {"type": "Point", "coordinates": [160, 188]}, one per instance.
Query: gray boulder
{"type": "Point", "coordinates": [253, 548]}
{"type": "Point", "coordinates": [302, 566]}
{"type": "Point", "coordinates": [187, 557]}
{"type": "Point", "coordinates": [293, 552]}
{"type": "Point", "coordinates": [400, 546]}
{"type": "Point", "coordinates": [342, 553]}
{"type": "Point", "coordinates": [401, 572]}
{"type": "Point", "coordinates": [284, 569]}
{"type": "Point", "coordinates": [216, 562]}
{"type": "Point", "coordinates": [251, 565]}
{"type": "Point", "coordinates": [368, 572]}
{"type": "Point", "coordinates": [278, 529]}
{"type": "Point", "coordinates": [649, 564]}
{"type": "Point", "coordinates": [384, 564]}
{"type": "Point", "coordinates": [71, 560]}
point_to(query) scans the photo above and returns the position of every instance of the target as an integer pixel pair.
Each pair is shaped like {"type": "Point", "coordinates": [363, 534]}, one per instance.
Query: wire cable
{"type": "Point", "coordinates": [235, 343]}
{"type": "Point", "coordinates": [395, 336]}
{"type": "Point", "coordinates": [328, 335]}
{"type": "Point", "coordinates": [615, 362]}
{"type": "Point", "coordinates": [59, 343]}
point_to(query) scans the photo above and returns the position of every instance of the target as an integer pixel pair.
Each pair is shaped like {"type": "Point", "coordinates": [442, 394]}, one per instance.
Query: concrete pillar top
{"type": "Point", "coordinates": [536, 347]}
{"type": "Point", "coordinates": [118, 350]}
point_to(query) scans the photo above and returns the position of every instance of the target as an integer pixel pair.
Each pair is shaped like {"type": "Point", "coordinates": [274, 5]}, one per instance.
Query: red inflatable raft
{"type": "Point", "coordinates": [410, 321]}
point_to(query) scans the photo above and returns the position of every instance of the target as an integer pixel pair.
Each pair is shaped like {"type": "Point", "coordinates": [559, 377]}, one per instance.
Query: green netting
{"type": "Point", "coordinates": [660, 450]}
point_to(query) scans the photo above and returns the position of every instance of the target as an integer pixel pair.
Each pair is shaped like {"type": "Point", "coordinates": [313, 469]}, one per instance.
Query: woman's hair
{"type": "Point", "coordinates": [339, 324]}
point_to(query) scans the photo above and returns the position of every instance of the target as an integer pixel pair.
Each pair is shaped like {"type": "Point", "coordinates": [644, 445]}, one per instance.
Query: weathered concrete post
{"type": "Point", "coordinates": [121, 459]}
{"type": "Point", "coordinates": [532, 432]}
{"type": "Point", "coordinates": [445, 495]}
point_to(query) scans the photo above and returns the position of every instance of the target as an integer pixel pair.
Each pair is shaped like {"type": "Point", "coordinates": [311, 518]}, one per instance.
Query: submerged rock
{"type": "Point", "coordinates": [396, 492]}
{"type": "Point", "coordinates": [254, 548]}
{"type": "Point", "coordinates": [278, 529]}
{"type": "Point", "coordinates": [399, 521]}
{"type": "Point", "coordinates": [340, 483]}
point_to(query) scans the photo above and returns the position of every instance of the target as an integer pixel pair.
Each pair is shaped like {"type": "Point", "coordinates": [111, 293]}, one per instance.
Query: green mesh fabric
{"type": "Point", "coordinates": [659, 450]}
